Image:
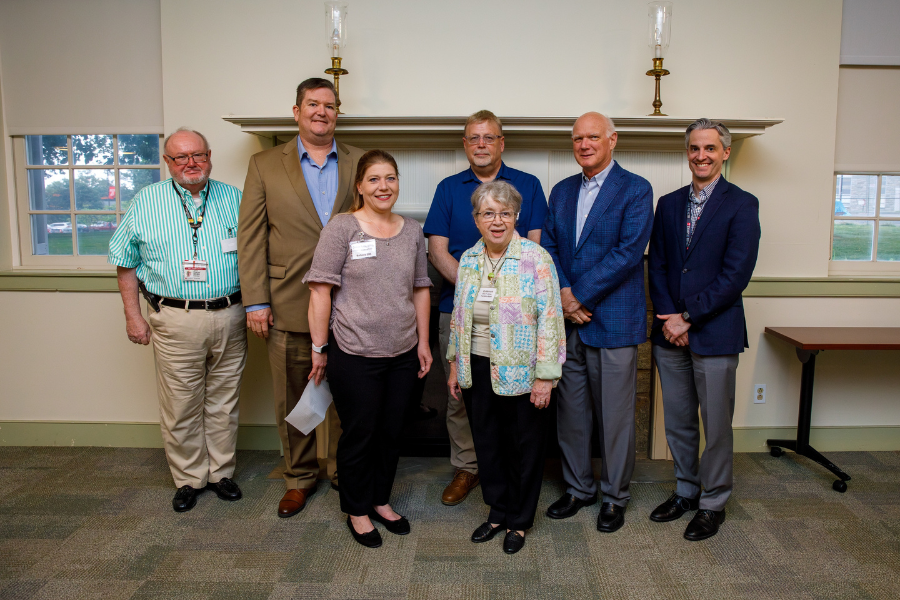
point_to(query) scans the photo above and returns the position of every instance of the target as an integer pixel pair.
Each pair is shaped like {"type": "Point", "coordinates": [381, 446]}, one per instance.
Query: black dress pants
{"type": "Point", "coordinates": [371, 396]}
{"type": "Point", "coordinates": [510, 435]}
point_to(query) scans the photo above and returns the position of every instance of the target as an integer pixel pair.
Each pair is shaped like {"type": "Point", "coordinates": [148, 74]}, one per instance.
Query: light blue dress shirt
{"type": "Point", "coordinates": [321, 180]}
{"type": "Point", "coordinates": [322, 183]}
{"type": "Point", "coordinates": [588, 192]}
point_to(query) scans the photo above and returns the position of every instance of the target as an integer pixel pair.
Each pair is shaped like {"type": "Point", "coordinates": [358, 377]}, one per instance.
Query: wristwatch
{"type": "Point", "coordinates": [320, 349]}
{"type": "Point", "coordinates": [686, 316]}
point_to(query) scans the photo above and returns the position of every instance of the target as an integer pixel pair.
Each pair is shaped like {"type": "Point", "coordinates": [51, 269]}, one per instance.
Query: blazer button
{"type": "Point", "coordinates": [684, 271]}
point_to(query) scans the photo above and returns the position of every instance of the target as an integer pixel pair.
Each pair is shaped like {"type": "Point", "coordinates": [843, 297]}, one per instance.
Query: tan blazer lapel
{"type": "Point", "coordinates": [291, 161]}
{"type": "Point", "coordinates": [343, 200]}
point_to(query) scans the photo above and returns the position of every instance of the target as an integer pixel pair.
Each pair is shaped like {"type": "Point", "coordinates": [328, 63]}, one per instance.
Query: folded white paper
{"type": "Point", "coordinates": [310, 409]}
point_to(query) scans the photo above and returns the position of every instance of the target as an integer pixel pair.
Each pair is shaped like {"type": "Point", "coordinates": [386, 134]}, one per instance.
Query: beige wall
{"type": "Point", "coordinates": [65, 356]}
{"type": "Point", "coordinates": [411, 57]}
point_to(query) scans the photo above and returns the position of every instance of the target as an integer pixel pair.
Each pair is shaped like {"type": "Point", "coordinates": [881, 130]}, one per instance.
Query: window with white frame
{"type": "Point", "coordinates": [866, 218]}
{"type": "Point", "coordinates": [73, 190]}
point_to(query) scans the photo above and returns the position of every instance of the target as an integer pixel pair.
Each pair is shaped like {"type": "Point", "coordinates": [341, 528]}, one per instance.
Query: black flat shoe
{"type": "Point", "coordinates": [513, 542]}
{"type": "Point", "coordinates": [611, 517]}
{"type": "Point", "coordinates": [226, 489]}
{"type": "Point", "coordinates": [372, 539]}
{"type": "Point", "coordinates": [705, 524]}
{"type": "Point", "coordinates": [568, 506]}
{"type": "Point", "coordinates": [185, 498]}
{"type": "Point", "coordinates": [398, 527]}
{"type": "Point", "coordinates": [485, 532]}
{"type": "Point", "coordinates": [674, 508]}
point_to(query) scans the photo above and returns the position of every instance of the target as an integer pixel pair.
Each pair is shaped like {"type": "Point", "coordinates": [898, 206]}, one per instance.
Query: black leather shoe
{"type": "Point", "coordinates": [513, 542]}
{"type": "Point", "coordinates": [398, 527]}
{"type": "Point", "coordinates": [185, 498]}
{"type": "Point", "coordinates": [674, 508]}
{"type": "Point", "coordinates": [225, 489]}
{"type": "Point", "coordinates": [485, 532]}
{"type": "Point", "coordinates": [611, 517]}
{"type": "Point", "coordinates": [568, 505]}
{"type": "Point", "coordinates": [371, 539]}
{"type": "Point", "coordinates": [705, 524]}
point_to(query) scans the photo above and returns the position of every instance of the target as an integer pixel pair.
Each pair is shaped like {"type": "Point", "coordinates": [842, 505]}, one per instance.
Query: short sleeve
{"type": "Point", "coordinates": [421, 278]}
{"type": "Point", "coordinates": [123, 246]}
{"type": "Point", "coordinates": [331, 253]}
{"type": "Point", "coordinates": [438, 220]}
{"type": "Point", "coordinates": [539, 208]}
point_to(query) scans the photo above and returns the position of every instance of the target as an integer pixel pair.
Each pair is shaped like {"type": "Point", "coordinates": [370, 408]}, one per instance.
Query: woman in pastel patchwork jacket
{"type": "Point", "coordinates": [507, 347]}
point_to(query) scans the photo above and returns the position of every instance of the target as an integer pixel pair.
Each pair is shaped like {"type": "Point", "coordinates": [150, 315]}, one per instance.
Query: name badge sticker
{"type": "Point", "coordinates": [229, 245]}
{"type": "Point", "coordinates": [365, 249]}
{"type": "Point", "coordinates": [486, 294]}
{"type": "Point", "coordinates": [194, 270]}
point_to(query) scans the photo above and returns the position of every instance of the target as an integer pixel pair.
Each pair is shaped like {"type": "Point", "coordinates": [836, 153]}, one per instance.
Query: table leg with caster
{"type": "Point", "coordinates": [801, 444]}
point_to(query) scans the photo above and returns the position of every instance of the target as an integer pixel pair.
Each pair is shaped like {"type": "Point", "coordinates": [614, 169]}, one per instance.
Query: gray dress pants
{"type": "Point", "coordinates": [601, 382]}
{"type": "Point", "coordinates": [688, 381]}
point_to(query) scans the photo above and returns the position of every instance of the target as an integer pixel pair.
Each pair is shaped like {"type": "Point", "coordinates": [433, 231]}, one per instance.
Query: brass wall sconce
{"type": "Point", "coordinates": [336, 23]}
{"type": "Point", "coordinates": [660, 26]}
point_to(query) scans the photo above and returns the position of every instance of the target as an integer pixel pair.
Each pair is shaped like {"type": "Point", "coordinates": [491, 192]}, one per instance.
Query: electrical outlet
{"type": "Point", "coordinates": [759, 393]}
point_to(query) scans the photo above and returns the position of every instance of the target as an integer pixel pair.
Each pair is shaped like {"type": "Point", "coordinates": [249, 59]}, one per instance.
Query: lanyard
{"type": "Point", "coordinates": [195, 227]}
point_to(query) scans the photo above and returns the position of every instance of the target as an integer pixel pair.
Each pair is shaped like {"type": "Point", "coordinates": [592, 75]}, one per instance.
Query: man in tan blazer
{"type": "Point", "coordinates": [291, 192]}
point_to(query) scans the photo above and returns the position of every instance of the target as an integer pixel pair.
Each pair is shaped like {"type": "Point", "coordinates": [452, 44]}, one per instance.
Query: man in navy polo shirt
{"type": "Point", "coordinates": [451, 230]}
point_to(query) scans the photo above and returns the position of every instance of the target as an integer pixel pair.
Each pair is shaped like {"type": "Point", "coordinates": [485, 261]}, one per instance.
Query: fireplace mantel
{"type": "Point", "coordinates": [436, 132]}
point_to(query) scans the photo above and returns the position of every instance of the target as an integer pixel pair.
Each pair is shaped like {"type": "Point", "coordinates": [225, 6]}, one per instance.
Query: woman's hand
{"type": "Point", "coordinates": [319, 360]}
{"type": "Point", "coordinates": [424, 360]}
{"type": "Point", "coordinates": [453, 382]}
{"type": "Point", "coordinates": [540, 393]}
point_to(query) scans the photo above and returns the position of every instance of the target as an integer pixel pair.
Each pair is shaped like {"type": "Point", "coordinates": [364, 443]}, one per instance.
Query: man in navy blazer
{"type": "Point", "coordinates": [596, 232]}
{"type": "Point", "coordinates": [702, 253]}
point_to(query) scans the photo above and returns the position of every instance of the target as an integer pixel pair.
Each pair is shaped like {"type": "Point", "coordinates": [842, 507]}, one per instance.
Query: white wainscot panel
{"type": "Point", "coordinates": [420, 173]}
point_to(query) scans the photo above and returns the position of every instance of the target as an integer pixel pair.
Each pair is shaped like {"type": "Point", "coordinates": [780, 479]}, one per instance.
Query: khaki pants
{"type": "Point", "coordinates": [290, 356]}
{"type": "Point", "coordinates": [462, 448]}
{"type": "Point", "coordinates": [200, 357]}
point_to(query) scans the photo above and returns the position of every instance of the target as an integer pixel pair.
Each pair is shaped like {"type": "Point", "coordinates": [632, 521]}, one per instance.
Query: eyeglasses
{"type": "Point", "coordinates": [182, 160]}
{"type": "Point", "coordinates": [475, 140]}
{"type": "Point", "coordinates": [490, 215]}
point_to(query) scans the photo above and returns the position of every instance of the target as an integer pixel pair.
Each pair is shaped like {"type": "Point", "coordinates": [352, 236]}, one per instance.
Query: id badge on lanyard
{"type": "Point", "coordinates": [194, 270]}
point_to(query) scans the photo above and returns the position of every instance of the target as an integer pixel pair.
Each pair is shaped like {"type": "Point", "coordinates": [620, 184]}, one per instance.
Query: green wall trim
{"type": "Point", "coordinates": [832, 287]}
{"type": "Point", "coordinates": [120, 435]}
{"type": "Point", "coordinates": [760, 287]}
{"type": "Point", "coordinates": [265, 437]}
{"type": "Point", "coordinates": [824, 439]}
{"type": "Point", "coordinates": [58, 281]}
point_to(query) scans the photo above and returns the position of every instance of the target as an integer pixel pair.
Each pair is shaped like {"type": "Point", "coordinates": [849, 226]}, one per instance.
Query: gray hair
{"type": "Point", "coordinates": [724, 134]}
{"type": "Point", "coordinates": [185, 130]}
{"type": "Point", "coordinates": [499, 191]}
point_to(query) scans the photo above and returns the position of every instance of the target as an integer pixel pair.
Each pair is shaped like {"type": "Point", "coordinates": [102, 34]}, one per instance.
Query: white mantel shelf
{"type": "Point", "coordinates": [635, 133]}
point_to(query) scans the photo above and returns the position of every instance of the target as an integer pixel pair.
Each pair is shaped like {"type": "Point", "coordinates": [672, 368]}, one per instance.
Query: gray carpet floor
{"type": "Point", "coordinates": [98, 523]}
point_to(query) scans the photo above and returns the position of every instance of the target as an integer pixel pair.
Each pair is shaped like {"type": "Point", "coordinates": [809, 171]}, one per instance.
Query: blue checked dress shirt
{"type": "Point", "coordinates": [695, 208]}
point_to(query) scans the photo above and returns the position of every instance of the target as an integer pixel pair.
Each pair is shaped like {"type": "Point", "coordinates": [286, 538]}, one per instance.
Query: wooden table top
{"type": "Point", "coordinates": [839, 338]}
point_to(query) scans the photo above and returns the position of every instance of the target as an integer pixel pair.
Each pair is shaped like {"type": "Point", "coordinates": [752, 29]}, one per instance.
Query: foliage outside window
{"type": "Point", "coordinates": [78, 188]}
{"type": "Point", "coordinates": [866, 218]}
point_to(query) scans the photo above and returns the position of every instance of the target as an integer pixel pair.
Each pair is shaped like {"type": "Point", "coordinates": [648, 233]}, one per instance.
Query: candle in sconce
{"type": "Point", "coordinates": [660, 14]}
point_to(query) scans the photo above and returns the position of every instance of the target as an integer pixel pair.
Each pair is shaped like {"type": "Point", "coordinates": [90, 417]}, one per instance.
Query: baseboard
{"type": "Point", "coordinates": [824, 439]}
{"type": "Point", "coordinates": [125, 435]}
{"type": "Point", "coordinates": [265, 437]}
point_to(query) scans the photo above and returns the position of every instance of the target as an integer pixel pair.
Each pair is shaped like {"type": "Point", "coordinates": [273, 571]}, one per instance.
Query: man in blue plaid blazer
{"type": "Point", "coordinates": [598, 227]}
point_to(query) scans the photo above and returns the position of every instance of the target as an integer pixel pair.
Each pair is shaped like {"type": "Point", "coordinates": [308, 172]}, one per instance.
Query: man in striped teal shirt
{"type": "Point", "coordinates": [177, 245]}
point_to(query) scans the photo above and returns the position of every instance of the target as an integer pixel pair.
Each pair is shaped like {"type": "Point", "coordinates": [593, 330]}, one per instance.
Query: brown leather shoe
{"type": "Point", "coordinates": [463, 483]}
{"type": "Point", "coordinates": [293, 502]}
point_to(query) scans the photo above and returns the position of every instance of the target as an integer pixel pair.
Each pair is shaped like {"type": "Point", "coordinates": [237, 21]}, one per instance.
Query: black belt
{"type": "Point", "coordinates": [215, 304]}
